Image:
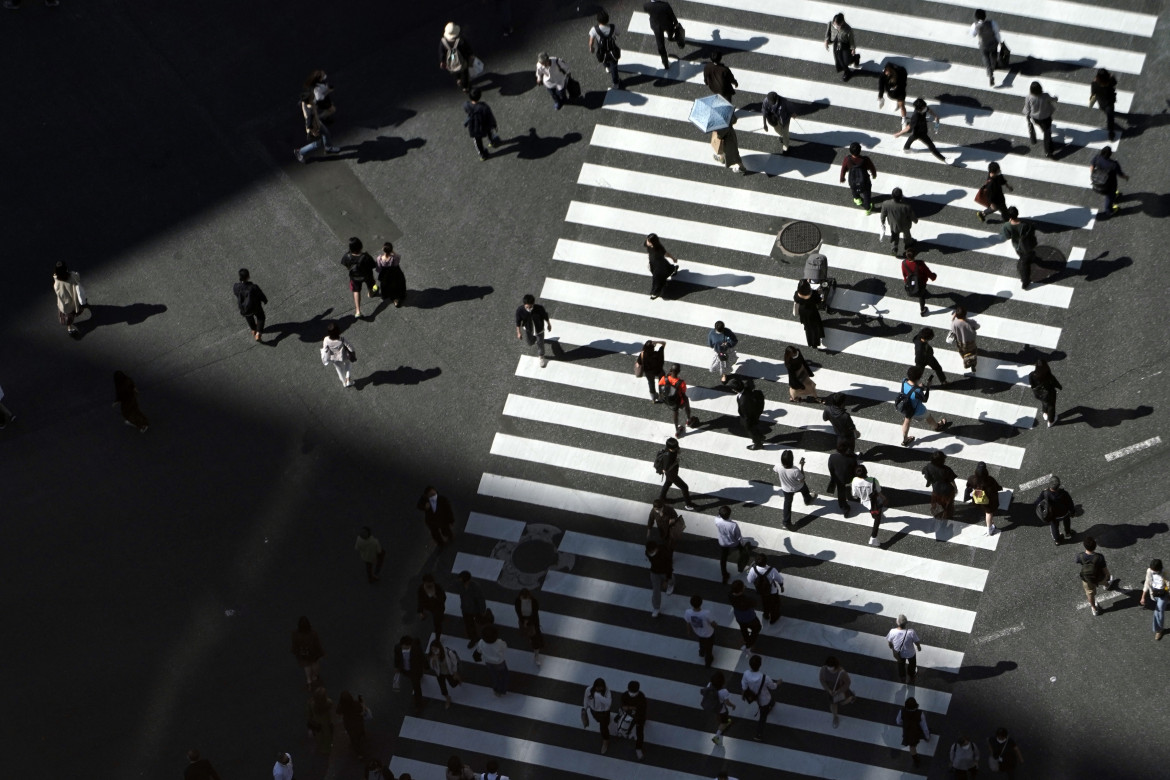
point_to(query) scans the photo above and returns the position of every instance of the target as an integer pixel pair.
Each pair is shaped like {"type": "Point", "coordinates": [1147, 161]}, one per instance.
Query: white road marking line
{"type": "Point", "coordinates": [999, 634]}
{"type": "Point", "coordinates": [1080, 14]}
{"type": "Point", "coordinates": [487, 569]}
{"type": "Point", "coordinates": [1108, 595]}
{"type": "Point", "coordinates": [1033, 483]}
{"type": "Point", "coordinates": [1076, 256]}
{"type": "Point", "coordinates": [491, 526]}
{"type": "Point", "coordinates": [1131, 449]}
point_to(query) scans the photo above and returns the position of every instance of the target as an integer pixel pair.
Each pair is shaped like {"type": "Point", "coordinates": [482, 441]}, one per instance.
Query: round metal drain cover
{"type": "Point", "coordinates": [534, 555]}
{"type": "Point", "coordinates": [798, 238]}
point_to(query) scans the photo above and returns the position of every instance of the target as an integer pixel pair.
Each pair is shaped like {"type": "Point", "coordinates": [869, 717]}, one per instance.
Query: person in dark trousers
{"type": "Point", "coordinates": [14, 5]}
{"type": "Point", "coordinates": [906, 645]}
{"type": "Point", "coordinates": [749, 402]}
{"type": "Point", "coordinates": [722, 340]}
{"type": "Point", "coordinates": [859, 169]}
{"type": "Point", "coordinates": [768, 582]}
{"type": "Point", "coordinates": [438, 516]}
{"type": "Point", "coordinates": [1104, 172]}
{"type": "Point", "coordinates": [531, 322]}
{"type": "Point", "coordinates": [456, 55]}
{"type": "Point", "coordinates": [800, 377]}
{"type": "Point", "coordinates": [472, 605]}
{"type": "Point", "coordinates": [1044, 386]}
{"type": "Point", "coordinates": [898, 216]}
{"type": "Point", "coordinates": [792, 481]}
{"type": "Point", "coordinates": [663, 23]}
{"type": "Point", "coordinates": [837, 416]}
{"type": "Point", "coordinates": [987, 33]}
{"type": "Point", "coordinates": [369, 549]}
{"type": "Point", "coordinates": [306, 648]}
{"type": "Point", "coordinates": [1039, 107]}
{"type": "Point", "coordinates": [6, 416]}
{"type": "Point", "coordinates": [669, 524]}
{"type": "Point", "coordinates": [352, 710]}
{"type": "Point", "coordinates": [915, 275]}
{"type": "Point", "coordinates": [1003, 754]}
{"type": "Point", "coordinates": [842, 465]}
{"type": "Point", "coordinates": [868, 491]}
{"type": "Point", "coordinates": [729, 538]}
{"type": "Point", "coordinates": [603, 45]}
{"type": "Point", "coordinates": [670, 474]}
{"type": "Point", "coordinates": [652, 360]}
{"type": "Point", "coordinates": [984, 489]}
{"type": "Point", "coordinates": [663, 265]}
{"type": "Point", "coordinates": [480, 122]}
{"type": "Point", "coordinates": [924, 354]}
{"type": "Point", "coordinates": [126, 398]}
{"type": "Point", "coordinates": [918, 127]}
{"type": "Point", "coordinates": [673, 392]}
{"type": "Point", "coordinates": [992, 191]}
{"type": "Point", "coordinates": [360, 267]}
{"type": "Point", "coordinates": [701, 625]}
{"type": "Point", "coordinates": [199, 768]}
{"type": "Point", "coordinates": [743, 609]}
{"type": "Point", "coordinates": [719, 78]}
{"type": "Point", "coordinates": [661, 558]}
{"type": "Point", "coordinates": [777, 114]}
{"type": "Point", "coordinates": [807, 303]}
{"type": "Point", "coordinates": [914, 728]}
{"type": "Point", "coordinates": [839, 35]}
{"type": "Point", "coordinates": [1094, 573]}
{"type": "Point", "coordinates": [410, 661]}
{"type": "Point", "coordinates": [892, 82]}
{"type": "Point", "coordinates": [1023, 238]}
{"type": "Point", "coordinates": [940, 478]}
{"type": "Point", "coordinates": [250, 299]}
{"type": "Point", "coordinates": [761, 687]}
{"type": "Point", "coordinates": [1054, 506]}
{"type": "Point", "coordinates": [433, 599]}
{"type": "Point", "coordinates": [633, 701]}
{"type": "Point", "coordinates": [1103, 92]}
{"type": "Point", "coordinates": [554, 73]}
{"type": "Point", "coordinates": [391, 280]}
{"type": "Point", "coordinates": [528, 621]}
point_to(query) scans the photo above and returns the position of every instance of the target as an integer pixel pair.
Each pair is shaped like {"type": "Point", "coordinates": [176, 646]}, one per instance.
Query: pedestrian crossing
{"type": "Point", "coordinates": [572, 455]}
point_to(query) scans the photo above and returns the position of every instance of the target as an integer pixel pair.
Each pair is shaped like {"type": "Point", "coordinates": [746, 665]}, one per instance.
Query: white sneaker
{"type": "Point", "coordinates": [543, 362]}
{"type": "Point", "coordinates": [737, 168]}
{"type": "Point", "coordinates": [1044, 415]}
{"type": "Point", "coordinates": [992, 530]}
{"type": "Point", "coordinates": [670, 588]}
{"type": "Point", "coordinates": [873, 541]}
{"type": "Point", "coordinates": [654, 613]}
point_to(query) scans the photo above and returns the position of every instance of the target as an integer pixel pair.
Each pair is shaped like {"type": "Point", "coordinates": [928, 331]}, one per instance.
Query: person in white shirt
{"type": "Point", "coordinates": [903, 641]}
{"type": "Point", "coordinates": [603, 45]}
{"type": "Point", "coordinates": [701, 624]}
{"type": "Point", "coordinates": [771, 587]}
{"type": "Point", "coordinates": [491, 651]}
{"type": "Point", "coordinates": [757, 686]}
{"type": "Point", "coordinates": [598, 703]}
{"type": "Point", "coordinates": [283, 768]}
{"type": "Point", "coordinates": [964, 758]}
{"type": "Point", "coordinates": [553, 73]}
{"type": "Point", "coordinates": [987, 31]}
{"type": "Point", "coordinates": [724, 708]}
{"type": "Point", "coordinates": [868, 491]}
{"type": "Point", "coordinates": [493, 771]}
{"type": "Point", "coordinates": [730, 538]}
{"type": "Point", "coordinates": [792, 482]}
{"type": "Point", "coordinates": [1157, 586]}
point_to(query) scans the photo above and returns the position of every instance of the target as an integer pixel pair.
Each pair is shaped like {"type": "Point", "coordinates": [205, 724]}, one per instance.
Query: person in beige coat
{"type": "Point", "coordinates": [726, 146]}
{"type": "Point", "coordinates": [70, 296]}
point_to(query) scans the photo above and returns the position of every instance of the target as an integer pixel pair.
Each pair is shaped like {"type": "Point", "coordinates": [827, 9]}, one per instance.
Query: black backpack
{"type": "Point", "coordinates": [857, 175]}
{"type": "Point", "coordinates": [762, 583]}
{"type": "Point", "coordinates": [904, 404]}
{"type": "Point", "coordinates": [607, 48]}
{"type": "Point", "coordinates": [662, 460]}
{"type": "Point", "coordinates": [1044, 509]}
{"type": "Point", "coordinates": [244, 297]}
{"type": "Point", "coordinates": [669, 393]}
{"type": "Point", "coordinates": [1092, 568]}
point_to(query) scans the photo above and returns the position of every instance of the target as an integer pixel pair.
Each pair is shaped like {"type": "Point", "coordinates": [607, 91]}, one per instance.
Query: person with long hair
{"type": "Point", "coordinates": [316, 134]}
{"type": "Point", "coordinates": [353, 717]}
{"type": "Point", "coordinates": [1103, 92]}
{"type": "Point", "coordinates": [444, 663]}
{"type": "Point", "coordinates": [940, 478]}
{"type": "Point", "coordinates": [318, 84]}
{"type": "Point", "coordinates": [391, 280]}
{"type": "Point", "coordinates": [806, 301]}
{"type": "Point", "coordinates": [597, 703]}
{"type": "Point", "coordinates": [663, 265]}
{"type": "Point", "coordinates": [800, 376]}
{"type": "Point", "coordinates": [1044, 386]}
{"type": "Point", "coordinates": [336, 350]}
{"type": "Point", "coordinates": [126, 397]}
{"type": "Point", "coordinates": [993, 189]}
{"type": "Point", "coordinates": [983, 489]}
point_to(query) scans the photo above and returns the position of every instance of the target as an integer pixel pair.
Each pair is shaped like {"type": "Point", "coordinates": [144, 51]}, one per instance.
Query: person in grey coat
{"type": "Point", "coordinates": [1039, 107]}
{"type": "Point", "coordinates": [987, 32]}
{"type": "Point", "coordinates": [840, 36]}
{"type": "Point", "coordinates": [898, 216]}
{"type": "Point", "coordinates": [777, 113]}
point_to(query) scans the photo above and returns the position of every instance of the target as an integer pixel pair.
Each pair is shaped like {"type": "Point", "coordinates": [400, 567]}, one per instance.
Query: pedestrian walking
{"type": "Point", "coordinates": [660, 269]}
{"type": "Point", "coordinates": [391, 281]}
{"type": "Point", "coordinates": [126, 398]}
{"type": "Point", "coordinates": [663, 23]}
{"type": "Point", "coordinates": [964, 758]}
{"type": "Point", "coordinates": [480, 122]}
{"type": "Point", "coordinates": [986, 31]}
{"type": "Point", "coordinates": [868, 491]}
{"type": "Point", "coordinates": [1044, 386]}
{"type": "Point", "coordinates": [433, 599]}
{"type": "Point", "coordinates": [1054, 506]}
{"type": "Point", "coordinates": [6, 416]}
{"type": "Point", "coordinates": [1094, 573]}
{"type": "Point", "coordinates": [905, 644]}
{"type": "Point", "coordinates": [250, 299]}
{"type": "Point", "coordinates": [963, 334]}
{"type": "Point", "coordinates": [701, 625]}
{"type": "Point", "coordinates": [1003, 753]}
{"type": "Point", "coordinates": [360, 268]}
{"type": "Point", "coordinates": [472, 605]}
{"type": "Point", "coordinates": [597, 703]}
{"type": "Point", "coordinates": [554, 74]}
{"type": "Point", "coordinates": [983, 490]}
{"type": "Point", "coordinates": [800, 376]}
{"type": "Point", "coordinates": [669, 524]}
{"type": "Point", "coordinates": [1103, 92]}
{"type": "Point", "coordinates": [915, 275]}
{"type": "Point", "coordinates": [650, 364]}
{"type": "Point", "coordinates": [410, 662]}
{"type": "Point", "coordinates": [924, 353]}
{"type": "Point", "coordinates": [716, 698]}
{"type": "Point", "coordinates": [859, 169]}
{"type": "Point", "coordinates": [633, 704]}
{"type": "Point", "coordinates": [914, 728]}
{"type": "Point", "coordinates": [898, 216]}
{"type": "Point", "coordinates": [718, 77]}
{"type": "Point", "coordinates": [792, 481]}
{"type": "Point", "coordinates": [806, 305]}
{"type": "Point", "coordinates": [918, 126]}
{"type": "Point", "coordinates": [318, 84]}
{"type": "Point", "coordinates": [892, 82]}
{"type": "Point", "coordinates": [604, 46]}
{"type": "Point", "coordinates": [1039, 107]}
{"type": "Point", "coordinates": [666, 463]}
{"type": "Point", "coordinates": [838, 684]}
{"type": "Point", "coordinates": [199, 768]}
{"type": "Point", "coordinates": [438, 515]}
{"type": "Point", "coordinates": [769, 583]}
{"type": "Point", "coordinates": [777, 113]}
{"type": "Point", "coordinates": [990, 193]}
{"type": "Point", "coordinates": [532, 321]}
{"type": "Point", "coordinates": [729, 537]}
{"type": "Point", "coordinates": [491, 650]}
{"type": "Point", "coordinates": [749, 402]}
{"type": "Point", "coordinates": [837, 416]}
{"type": "Point", "coordinates": [492, 767]}
{"type": "Point", "coordinates": [1023, 238]}
{"type": "Point", "coordinates": [319, 719]}
{"type": "Point", "coordinates": [757, 687]}
{"type": "Point", "coordinates": [842, 468]}
{"type": "Point", "coordinates": [722, 340]}
{"type": "Point", "coordinates": [528, 620]}
{"type": "Point", "coordinates": [457, 770]}
{"type": "Point", "coordinates": [673, 391]}
{"type": "Point", "coordinates": [1104, 172]}
{"type": "Point", "coordinates": [456, 55]}
{"type": "Point", "coordinates": [377, 770]}
{"type": "Point", "coordinates": [911, 402]}
{"type": "Point", "coordinates": [369, 549]}
{"type": "Point", "coordinates": [661, 557]}
{"type": "Point", "coordinates": [352, 711]}
{"type": "Point", "coordinates": [1157, 587]}
{"type": "Point", "coordinates": [743, 609]}
{"type": "Point", "coordinates": [70, 296]}
{"type": "Point", "coordinates": [444, 663]}
{"type": "Point", "coordinates": [306, 648]}
{"type": "Point", "coordinates": [940, 478]}
{"type": "Point", "coordinates": [316, 134]}
{"type": "Point", "coordinates": [725, 143]}
{"type": "Point", "coordinates": [337, 351]}
{"type": "Point", "coordinates": [839, 35]}
{"type": "Point", "coordinates": [283, 768]}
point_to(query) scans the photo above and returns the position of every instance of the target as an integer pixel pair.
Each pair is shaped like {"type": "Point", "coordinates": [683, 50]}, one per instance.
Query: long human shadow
{"type": "Point", "coordinates": [380, 149]}
{"type": "Point", "coordinates": [310, 331]}
{"type": "Point", "coordinates": [435, 297]}
{"type": "Point", "coordinates": [1102, 418]}
{"type": "Point", "coordinates": [102, 314]}
{"type": "Point", "coordinates": [403, 375]}
{"type": "Point", "coordinates": [1137, 123]}
{"type": "Point", "coordinates": [1152, 204]}
{"type": "Point", "coordinates": [969, 673]}
{"type": "Point", "coordinates": [536, 147]}
{"type": "Point", "coordinates": [507, 84]}
{"type": "Point", "coordinates": [1115, 536]}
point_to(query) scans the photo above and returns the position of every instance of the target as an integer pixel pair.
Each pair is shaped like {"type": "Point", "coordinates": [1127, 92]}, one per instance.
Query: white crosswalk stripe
{"type": "Point", "coordinates": [564, 500]}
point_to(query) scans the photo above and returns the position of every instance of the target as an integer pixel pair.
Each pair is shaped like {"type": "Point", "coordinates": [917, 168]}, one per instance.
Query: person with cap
{"type": "Point", "coordinates": [531, 322]}
{"type": "Point", "coordinates": [859, 169]}
{"type": "Point", "coordinates": [719, 78]}
{"type": "Point", "coordinates": [914, 728]}
{"type": "Point", "coordinates": [1023, 238]}
{"type": "Point", "coordinates": [1104, 172]}
{"type": "Point", "coordinates": [892, 82]}
{"type": "Point", "coordinates": [839, 35]}
{"type": "Point", "coordinates": [918, 128]}
{"type": "Point", "coordinates": [777, 114]}
{"type": "Point", "coordinates": [987, 33]}
{"type": "Point", "coordinates": [1039, 107]}
{"type": "Point", "coordinates": [663, 22]}
{"type": "Point", "coordinates": [898, 216]}
{"type": "Point", "coordinates": [667, 465]}
{"type": "Point", "coordinates": [749, 402]}
{"type": "Point", "coordinates": [456, 55]}
{"type": "Point", "coordinates": [553, 73]}
{"type": "Point", "coordinates": [480, 122]}
{"type": "Point", "coordinates": [906, 645]}
{"type": "Point", "coordinates": [250, 299]}
{"type": "Point", "coordinates": [1103, 92]}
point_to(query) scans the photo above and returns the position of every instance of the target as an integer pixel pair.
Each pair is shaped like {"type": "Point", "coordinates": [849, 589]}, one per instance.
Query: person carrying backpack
{"type": "Point", "coordinates": [1023, 238]}
{"type": "Point", "coordinates": [911, 402]}
{"type": "Point", "coordinates": [251, 300]}
{"type": "Point", "coordinates": [673, 392]}
{"type": "Point", "coordinates": [716, 699]}
{"type": "Point", "coordinates": [1157, 585]}
{"type": "Point", "coordinates": [456, 56]}
{"type": "Point", "coordinates": [915, 275]}
{"type": "Point", "coordinates": [859, 169]}
{"type": "Point", "coordinates": [1104, 172]}
{"type": "Point", "coordinates": [987, 31]}
{"type": "Point", "coordinates": [769, 583]}
{"type": "Point", "coordinates": [666, 464]}
{"type": "Point", "coordinates": [1053, 506]}
{"type": "Point", "coordinates": [1094, 573]}
{"type": "Point", "coordinates": [603, 45]}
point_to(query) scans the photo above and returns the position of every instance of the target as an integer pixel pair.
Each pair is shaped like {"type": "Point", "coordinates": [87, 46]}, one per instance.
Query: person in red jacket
{"type": "Point", "coordinates": [915, 274]}
{"type": "Point", "coordinates": [673, 392]}
{"type": "Point", "coordinates": [860, 169]}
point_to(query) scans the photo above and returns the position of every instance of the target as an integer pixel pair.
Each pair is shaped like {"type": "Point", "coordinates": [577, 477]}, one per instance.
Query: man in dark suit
{"type": "Point", "coordinates": [410, 661]}
{"type": "Point", "coordinates": [662, 22]}
{"type": "Point", "coordinates": [718, 77]}
{"type": "Point", "coordinates": [438, 515]}
{"type": "Point", "coordinates": [750, 403]}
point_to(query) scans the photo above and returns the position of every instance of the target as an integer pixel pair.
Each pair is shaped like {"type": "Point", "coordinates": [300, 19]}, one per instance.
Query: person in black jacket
{"type": "Point", "coordinates": [432, 598]}
{"type": "Point", "coordinates": [750, 403]}
{"type": "Point", "coordinates": [360, 267]}
{"type": "Point", "coordinates": [993, 191]}
{"type": "Point", "coordinates": [860, 170]}
{"type": "Point", "coordinates": [633, 701]}
{"type": "Point", "coordinates": [1103, 92]}
{"type": "Point", "coordinates": [251, 300]}
{"type": "Point", "coordinates": [438, 515]}
{"type": "Point", "coordinates": [663, 265]}
{"type": "Point", "coordinates": [719, 78]}
{"type": "Point", "coordinates": [924, 354]}
{"type": "Point", "coordinates": [670, 475]}
{"type": "Point", "coordinates": [531, 322]}
{"type": "Point", "coordinates": [1053, 506]}
{"type": "Point", "coordinates": [940, 478]}
{"type": "Point", "coordinates": [892, 82]}
{"type": "Point", "coordinates": [837, 416]}
{"type": "Point", "coordinates": [480, 122]}
{"type": "Point", "coordinates": [410, 661]}
{"type": "Point", "coordinates": [842, 467]}
{"type": "Point", "coordinates": [777, 113]}
{"type": "Point", "coordinates": [662, 23]}
{"type": "Point", "coordinates": [1044, 386]}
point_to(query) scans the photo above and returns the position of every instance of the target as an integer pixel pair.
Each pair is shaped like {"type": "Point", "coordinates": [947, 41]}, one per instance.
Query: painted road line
{"type": "Point", "coordinates": [1131, 449]}
{"type": "Point", "coordinates": [481, 568]}
{"type": "Point", "coordinates": [998, 634]}
{"type": "Point", "coordinates": [1093, 17]}
{"type": "Point", "coordinates": [1076, 256]}
{"type": "Point", "coordinates": [873, 559]}
{"type": "Point", "coordinates": [494, 527]}
{"type": "Point", "coordinates": [772, 370]}
{"type": "Point", "coordinates": [1035, 483]}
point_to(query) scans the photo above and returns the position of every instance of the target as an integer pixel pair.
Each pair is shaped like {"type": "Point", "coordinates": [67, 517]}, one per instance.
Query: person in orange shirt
{"type": "Point", "coordinates": [673, 392]}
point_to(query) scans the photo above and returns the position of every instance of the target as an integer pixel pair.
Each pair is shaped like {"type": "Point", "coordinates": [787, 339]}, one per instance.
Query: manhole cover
{"type": "Point", "coordinates": [798, 238]}
{"type": "Point", "coordinates": [534, 555]}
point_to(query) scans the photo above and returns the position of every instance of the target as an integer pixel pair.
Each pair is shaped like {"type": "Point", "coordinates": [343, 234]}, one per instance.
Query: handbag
{"type": "Point", "coordinates": [980, 496]}
{"type": "Point", "coordinates": [951, 337]}
{"type": "Point", "coordinates": [981, 196]}
{"type": "Point", "coordinates": [350, 355]}
{"type": "Point", "coordinates": [1005, 55]}
{"type": "Point", "coordinates": [638, 367]}
{"type": "Point", "coordinates": [476, 69]}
